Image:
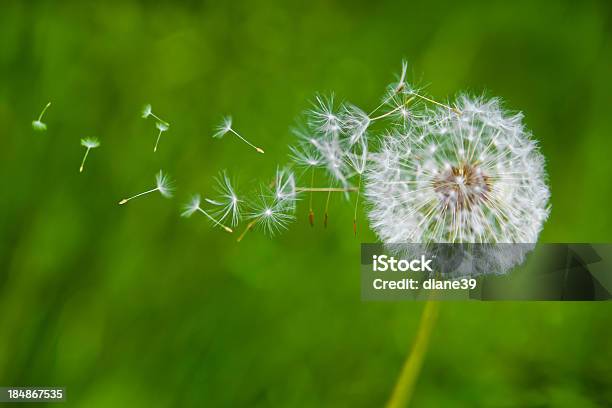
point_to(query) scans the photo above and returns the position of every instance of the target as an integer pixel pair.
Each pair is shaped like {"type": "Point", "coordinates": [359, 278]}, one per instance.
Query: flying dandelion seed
{"type": "Point", "coordinates": [269, 213]}
{"type": "Point", "coordinates": [148, 111]}
{"type": "Point", "coordinates": [226, 127]}
{"type": "Point", "coordinates": [477, 177]}
{"type": "Point", "coordinates": [162, 127]}
{"type": "Point", "coordinates": [38, 124]}
{"type": "Point", "coordinates": [89, 143]}
{"type": "Point", "coordinates": [162, 184]}
{"type": "Point", "coordinates": [228, 205]}
{"type": "Point", "coordinates": [194, 205]}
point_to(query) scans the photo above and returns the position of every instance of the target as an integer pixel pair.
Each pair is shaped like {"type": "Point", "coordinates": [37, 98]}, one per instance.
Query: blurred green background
{"type": "Point", "coordinates": [135, 306]}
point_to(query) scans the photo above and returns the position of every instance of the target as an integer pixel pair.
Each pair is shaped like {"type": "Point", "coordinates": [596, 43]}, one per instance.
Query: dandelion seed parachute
{"type": "Point", "coordinates": [333, 153]}
{"type": "Point", "coordinates": [357, 157]}
{"type": "Point", "coordinates": [284, 189]}
{"type": "Point", "coordinates": [38, 124]}
{"type": "Point", "coordinates": [194, 205]}
{"type": "Point", "coordinates": [270, 213]}
{"type": "Point", "coordinates": [162, 127]}
{"type": "Point", "coordinates": [148, 111]}
{"type": "Point", "coordinates": [228, 205]}
{"type": "Point", "coordinates": [163, 184]}
{"type": "Point", "coordinates": [305, 156]}
{"type": "Point", "coordinates": [226, 127]}
{"type": "Point", "coordinates": [323, 118]}
{"type": "Point", "coordinates": [89, 143]}
{"type": "Point", "coordinates": [223, 128]}
{"type": "Point", "coordinates": [355, 123]}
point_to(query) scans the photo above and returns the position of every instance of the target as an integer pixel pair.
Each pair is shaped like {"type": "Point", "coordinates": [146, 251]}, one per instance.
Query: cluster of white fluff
{"type": "Point", "coordinates": [475, 176]}
{"type": "Point", "coordinates": [334, 138]}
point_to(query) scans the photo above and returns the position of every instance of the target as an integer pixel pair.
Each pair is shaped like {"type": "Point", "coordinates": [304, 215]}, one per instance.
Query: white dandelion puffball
{"type": "Point", "coordinates": [471, 177]}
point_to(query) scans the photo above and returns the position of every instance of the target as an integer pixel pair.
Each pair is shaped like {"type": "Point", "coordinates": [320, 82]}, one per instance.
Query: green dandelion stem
{"type": "Point", "coordinates": [404, 388]}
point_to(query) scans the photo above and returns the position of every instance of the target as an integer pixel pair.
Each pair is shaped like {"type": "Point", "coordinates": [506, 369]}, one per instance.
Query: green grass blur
{"type": "Point", "coordinates": [134, 306]}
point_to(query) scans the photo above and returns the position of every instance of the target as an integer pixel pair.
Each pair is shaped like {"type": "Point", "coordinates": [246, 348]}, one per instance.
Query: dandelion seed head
{"type": "Point", "coordinates": [457, 184]}
{"type": "Point", "coordinates": [90, 142]}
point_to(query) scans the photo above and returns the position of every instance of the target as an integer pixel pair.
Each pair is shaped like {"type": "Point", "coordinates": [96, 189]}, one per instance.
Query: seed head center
{"type": "Point", "coordinates": [463, 186]}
